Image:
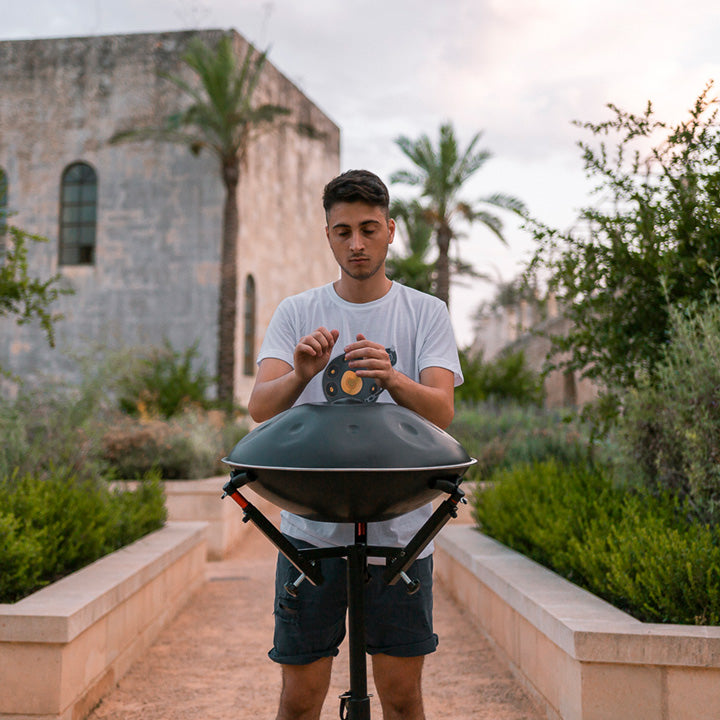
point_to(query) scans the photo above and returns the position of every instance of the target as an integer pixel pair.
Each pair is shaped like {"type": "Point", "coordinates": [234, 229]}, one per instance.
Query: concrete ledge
{"type": "Point", "coordinates": [63, 647]}
{"type": "Point", "coordinates": [199, 501]}
{"type": "Point", "coordinates": [582, 658]}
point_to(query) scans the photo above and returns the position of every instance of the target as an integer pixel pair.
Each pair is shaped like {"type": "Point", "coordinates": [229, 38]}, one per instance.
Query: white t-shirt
{"type": "Point", "coordinates": [416, 325]}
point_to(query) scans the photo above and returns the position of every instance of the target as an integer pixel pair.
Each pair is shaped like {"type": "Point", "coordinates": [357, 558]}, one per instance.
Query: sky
{"type": "Point", "coordinates": [519, 71]}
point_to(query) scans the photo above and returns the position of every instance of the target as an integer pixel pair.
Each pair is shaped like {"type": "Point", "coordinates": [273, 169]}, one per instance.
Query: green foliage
{"type": "Point", "coordinates": [221, 112]}
{"type": "Point", "coordinates": [51, 426]}
{"type": "Point", "coordinates": [56, 510]}
{"type": "Point", "coordinates": [669, 434]}
{"type": "Point", "coordinates": [81, 428]}
{"type": "Point", "coordinates": [649, 243]}
{"type": "Point", "coordinates": [506, 378]}
{"type": "Point", "coordinates": [19, 574]}
{"type": "Point", "coordinates": [51, 527]}
{"type": "Point", "coordinates": [414, 268]}
{"type": "Point", "coordinates": [441, 172]}
{"type": "Point", "coordinates": [501, 436]}
{"type": "Point", "coordinates": [638, 551]}
{"type": "Point", "coordinates": [25, 297]}
{"type": "Point", "coordinates": [164, 382]}
{"type": "Point", "coordinates": [188, 445]}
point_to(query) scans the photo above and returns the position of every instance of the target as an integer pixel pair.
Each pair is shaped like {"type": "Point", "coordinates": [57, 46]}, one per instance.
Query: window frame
{"type": "Point", "coordinates": [77, 236]}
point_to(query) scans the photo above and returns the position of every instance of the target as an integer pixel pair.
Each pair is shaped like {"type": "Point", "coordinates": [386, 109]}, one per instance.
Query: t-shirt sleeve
{"type": "Point", "coordinates": [439, 347]}
{"type": "Point", "coordinates": [280, 337]}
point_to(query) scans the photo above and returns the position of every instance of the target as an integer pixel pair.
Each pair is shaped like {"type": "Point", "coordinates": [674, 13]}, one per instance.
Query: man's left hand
{"type": "Point", "coordinates": [370, 359]}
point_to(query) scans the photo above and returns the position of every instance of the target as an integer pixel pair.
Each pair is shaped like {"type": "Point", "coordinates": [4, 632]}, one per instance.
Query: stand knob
{"type": "Point", "coordinates": [412, 586]}
{"type": "Point", "coordinates": [292, 588]}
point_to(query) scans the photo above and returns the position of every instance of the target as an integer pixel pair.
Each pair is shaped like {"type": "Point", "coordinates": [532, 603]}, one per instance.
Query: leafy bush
{"type": "Point", "coordinates": [502, 435]}
{"type": "Point", "coordinates": [507, 378]}
{"type": "Point", "coordinates": [52, 426]}
{"type": "Point", "coordinates": [23, 297]}
{"type": "Point", "coordinates": [638, 551]}
{"type": "Point", "coordinates": [188, 445]}
{"type": "Point", "coordinates": [669, 433]}
{"type": "Point", "coordinates": [164, 382]}
{"type": "Point", "coordinates": [80, 428]}
{"type": "Point", "coordinates": [649, 241]}
{"type": "Point", "coordinates": [52, 527]}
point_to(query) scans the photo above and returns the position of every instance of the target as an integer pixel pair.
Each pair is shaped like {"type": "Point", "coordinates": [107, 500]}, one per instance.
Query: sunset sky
{"type": "Point", "coordinates": [519, 70]}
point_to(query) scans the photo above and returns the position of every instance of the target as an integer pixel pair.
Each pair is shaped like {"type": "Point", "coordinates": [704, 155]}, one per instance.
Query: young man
{"type": "Point", "coordinates": [360, 315]}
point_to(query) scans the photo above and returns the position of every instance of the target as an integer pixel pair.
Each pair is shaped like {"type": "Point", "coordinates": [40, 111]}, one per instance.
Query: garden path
{"type": "Point", "coordinates": [211, 661]}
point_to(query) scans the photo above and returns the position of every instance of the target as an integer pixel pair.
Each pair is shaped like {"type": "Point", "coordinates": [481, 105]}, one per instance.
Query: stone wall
{"type": "Point", "coordinates": [159, 211]}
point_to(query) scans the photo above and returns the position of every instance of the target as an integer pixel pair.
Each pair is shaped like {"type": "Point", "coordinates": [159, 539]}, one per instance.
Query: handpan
{"type": "Point", "coordinates": [348, 461]}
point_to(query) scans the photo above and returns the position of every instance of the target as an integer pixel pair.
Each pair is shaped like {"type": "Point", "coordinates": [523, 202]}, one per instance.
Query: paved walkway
{"type": "Point", "coordinates": [211, 662]}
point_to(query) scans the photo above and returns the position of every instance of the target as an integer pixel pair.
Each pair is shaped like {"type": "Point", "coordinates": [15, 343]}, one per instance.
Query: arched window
{"type": "Point", "coordinates": [249, 336]}
{"type": "Point", "coordinates": [3, 210]}
{"type": "Point", "coordinates": [78, 215]}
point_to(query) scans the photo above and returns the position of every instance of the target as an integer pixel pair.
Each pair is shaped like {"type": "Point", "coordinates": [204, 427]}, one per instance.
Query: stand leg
{"type": "Point", "coordinates": [407, 556]}
{"type": "Point", "coordinates": [355, 704]}
{"type": "Point", "coordinates": [308, 568]}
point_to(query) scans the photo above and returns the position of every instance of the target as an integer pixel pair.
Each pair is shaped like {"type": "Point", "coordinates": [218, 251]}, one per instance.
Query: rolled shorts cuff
{"type": "Point", "coordinates": [300, 659]}
{"type": "Point", "coordinates": [424, 647]}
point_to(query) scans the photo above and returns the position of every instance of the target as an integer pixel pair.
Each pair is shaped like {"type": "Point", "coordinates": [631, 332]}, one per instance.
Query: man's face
{"type": "Point", "coordinates": [359, 236]}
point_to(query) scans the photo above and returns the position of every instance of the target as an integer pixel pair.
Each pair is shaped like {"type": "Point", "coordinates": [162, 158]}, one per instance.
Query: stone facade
{"type": "Point", "coordinates": [159, 208]}
{"type": "Point", "coordinates": [523, 327]}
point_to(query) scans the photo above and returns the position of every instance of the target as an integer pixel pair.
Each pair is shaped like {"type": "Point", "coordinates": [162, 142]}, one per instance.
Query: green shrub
{"type": "Point", "coordinates": [188, 445]}
{"type": "Point", "coordinates": [52, 527]}
{"type": "Point", "coordinates": [502, 435]}
{"type": "Point", "coordinates": [636, 550]}
{"type": "Point", "coordinates": [19, 573]}
{"type": "Point", "coordinates": [164, 382]}
{"type": "Point", "coordinates": [51, 426]}
{"type": "Point", "coordinates": [669, 434]}
{"type": "Point", "coordinates": [81, 429]}
{"type": "Point", "coordinates": [506, 378]}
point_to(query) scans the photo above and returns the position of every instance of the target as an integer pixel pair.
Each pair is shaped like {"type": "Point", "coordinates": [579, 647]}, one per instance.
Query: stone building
{"type": "Point", "coordinates": [135, 228]}
{"type": "Point", "coordinates": [522, 326]}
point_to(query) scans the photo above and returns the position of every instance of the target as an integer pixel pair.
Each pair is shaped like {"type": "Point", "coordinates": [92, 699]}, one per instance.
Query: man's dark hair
{"type": "Point", "coordinates": [357, 186]}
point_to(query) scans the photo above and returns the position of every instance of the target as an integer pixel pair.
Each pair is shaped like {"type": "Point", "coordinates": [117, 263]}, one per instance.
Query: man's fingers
{"type": "Point", "coordinates": [319, 342]}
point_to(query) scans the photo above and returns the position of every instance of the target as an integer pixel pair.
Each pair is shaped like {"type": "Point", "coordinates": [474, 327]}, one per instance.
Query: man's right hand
{"type": "Point", "coordinates": [312, 353]}
{"type": "Point", "coordinates": [278, 385]}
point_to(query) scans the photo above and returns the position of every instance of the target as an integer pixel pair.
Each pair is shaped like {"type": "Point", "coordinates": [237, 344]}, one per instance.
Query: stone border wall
{"type": "Point", "coordinates": [199, 500]}
{"type": "Point", "coordinates": [580, 657]}
{"type": "Point", "coordinates": [65, 646]}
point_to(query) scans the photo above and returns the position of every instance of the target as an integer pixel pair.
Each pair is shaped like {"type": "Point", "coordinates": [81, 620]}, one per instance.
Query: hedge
{"type": "Point", "coordinates": [639, 551]}
{"type": "Point", "coordinates": [52, 527]}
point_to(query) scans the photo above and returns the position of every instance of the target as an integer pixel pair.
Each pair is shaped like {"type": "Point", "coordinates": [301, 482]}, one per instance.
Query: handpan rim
{"type": "Point", "coordinates": [342, 470]}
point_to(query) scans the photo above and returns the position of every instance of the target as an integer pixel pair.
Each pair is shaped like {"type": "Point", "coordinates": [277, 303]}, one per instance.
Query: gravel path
{"type": "Point", "coordinates": [211, 662]}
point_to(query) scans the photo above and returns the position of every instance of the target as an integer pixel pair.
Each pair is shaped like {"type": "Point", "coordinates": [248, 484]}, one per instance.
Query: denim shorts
{"type": "Point", "coordinates": [312, 625]}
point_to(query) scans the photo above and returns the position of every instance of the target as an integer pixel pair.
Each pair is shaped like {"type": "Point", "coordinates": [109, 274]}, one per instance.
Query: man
{"type": "Point", "coordinates": [360, 315]}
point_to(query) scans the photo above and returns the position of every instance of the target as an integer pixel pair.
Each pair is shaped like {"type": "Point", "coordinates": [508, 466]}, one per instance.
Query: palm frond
{"type": "Point", "coordinates": [405, 177]}
{"type": "Point", "coordinates": [221, 110]}
{"type": "Point", "coordinates": [506, 202]}
{"type": "Point", "coordinates": [491, 222]}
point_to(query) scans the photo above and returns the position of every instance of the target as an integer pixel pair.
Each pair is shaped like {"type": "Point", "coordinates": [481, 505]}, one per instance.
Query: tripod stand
{"type": "Point", "coordinates": [355, 703]}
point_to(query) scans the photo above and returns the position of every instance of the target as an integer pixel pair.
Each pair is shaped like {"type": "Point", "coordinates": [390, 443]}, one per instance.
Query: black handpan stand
{"type": "Point", "coordinates": [355, 703]}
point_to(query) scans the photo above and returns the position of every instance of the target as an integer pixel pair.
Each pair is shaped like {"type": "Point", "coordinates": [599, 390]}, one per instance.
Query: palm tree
{"type": "Point", "coordinates": [441, 174]}
{"type": "Point", "coordinates": [221, 118]}
{"type": "Point", "coordinates": [414, 268]}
